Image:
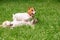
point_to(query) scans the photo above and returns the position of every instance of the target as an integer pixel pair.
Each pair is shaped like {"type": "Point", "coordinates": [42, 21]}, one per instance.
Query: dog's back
{"type": "Point", "coordinates": [21, 16]}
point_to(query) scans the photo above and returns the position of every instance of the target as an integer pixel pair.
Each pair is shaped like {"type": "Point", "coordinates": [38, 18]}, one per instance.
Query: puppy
{"type": "Point", "coordinates": [6, 23]}
{"type": "Point", "coordinates": [24, 16]}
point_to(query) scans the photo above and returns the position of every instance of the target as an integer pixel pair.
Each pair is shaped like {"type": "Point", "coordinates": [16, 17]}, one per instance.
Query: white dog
{"type": "Point", "coordinates": [24, 16]}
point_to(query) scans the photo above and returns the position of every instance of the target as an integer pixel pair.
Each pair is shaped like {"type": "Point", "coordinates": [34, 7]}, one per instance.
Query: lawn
{"type": "Point", "coordinates": [47, 12]}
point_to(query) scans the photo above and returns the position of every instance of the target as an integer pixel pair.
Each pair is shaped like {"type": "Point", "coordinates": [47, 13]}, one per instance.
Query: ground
{"type": "Point", "coordinates": [47, 12]}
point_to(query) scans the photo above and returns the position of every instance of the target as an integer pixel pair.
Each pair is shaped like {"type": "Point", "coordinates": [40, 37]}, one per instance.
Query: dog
{"type": "Point", "coordinates": [6, 24]}
{"type": "Point", "coordinates": [24, 16]}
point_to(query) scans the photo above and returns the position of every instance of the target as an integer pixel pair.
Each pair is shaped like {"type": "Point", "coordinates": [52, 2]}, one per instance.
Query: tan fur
{"type": "Point", "coordinates": [30, 10]}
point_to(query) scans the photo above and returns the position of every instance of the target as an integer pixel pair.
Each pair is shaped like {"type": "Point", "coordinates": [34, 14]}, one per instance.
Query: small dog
{"type": "Point", "coordinates": [6, 24]}
{"type": "Point", "coordinates": [24, 16]}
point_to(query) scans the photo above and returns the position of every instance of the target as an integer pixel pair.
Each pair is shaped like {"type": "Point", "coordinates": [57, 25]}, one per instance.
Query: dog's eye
{"type": "Point", "coordinates": [31, 10]}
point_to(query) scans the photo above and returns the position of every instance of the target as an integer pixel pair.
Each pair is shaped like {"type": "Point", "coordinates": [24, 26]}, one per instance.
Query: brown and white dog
{"type": "Point", "coordinates": [21, 18]}
{"type": "Point", "coordinates": [24, 16]}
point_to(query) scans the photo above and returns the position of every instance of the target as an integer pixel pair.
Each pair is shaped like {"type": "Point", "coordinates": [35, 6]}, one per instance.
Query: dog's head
{"type": "Point", "coordinates": [31, 11]}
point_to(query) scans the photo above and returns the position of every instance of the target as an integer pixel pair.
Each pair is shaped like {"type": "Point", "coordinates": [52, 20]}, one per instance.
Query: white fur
{"type": "Point", "coordinates": [21, 17]}
{"type": "Point", "coordinates": [16, 23]}
{"type": "Point", "coordinates": [20, 23]}
{"type": "Point", "coordinates": [5, 24]}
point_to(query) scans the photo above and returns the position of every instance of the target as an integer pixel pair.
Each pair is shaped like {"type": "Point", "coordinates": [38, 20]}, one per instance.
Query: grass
{"type": "Point", "coordinates": [47, 12]}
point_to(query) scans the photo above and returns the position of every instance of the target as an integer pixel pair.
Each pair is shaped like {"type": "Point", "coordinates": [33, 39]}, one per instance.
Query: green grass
{"type": "Point", "coordinates": [47, 12]}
